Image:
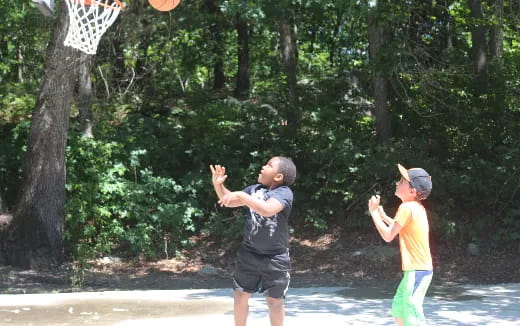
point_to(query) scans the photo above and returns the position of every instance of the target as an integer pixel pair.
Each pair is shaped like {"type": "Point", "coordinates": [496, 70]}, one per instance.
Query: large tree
{"type": "Point", "coordinates": [5, 217]}
{"type": "Point", "coordinates": [85, 97]}
{"type": "Point", "coordinates": [479, 44]}
{"type": "Point", "coordinates": [36, 232]}
{"type": "Point", "coordinates": [496, 42]}
{"type": "Point", "coordinates": [288, 50]}
{"type": "Point", "coordinates": [242, 79]}
{"type": "Point", "coordinates": [378, 35]}
{"type": "Point", "coordinates": [216, 26]}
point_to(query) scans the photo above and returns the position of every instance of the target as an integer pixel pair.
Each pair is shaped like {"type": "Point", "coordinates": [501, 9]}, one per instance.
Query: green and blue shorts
{"type": "Point", "coordinates": [409, 297]}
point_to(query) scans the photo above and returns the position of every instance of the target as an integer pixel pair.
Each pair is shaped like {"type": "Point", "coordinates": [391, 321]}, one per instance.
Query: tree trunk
{"type": "Point", "coordinates": [215, 17]}
{"type": "Point", "coordinates": [85, 96]}
{"type": "Point", "coordinates": [449, 35]}
{"type": "Point", "coordinates": [4, 48]}
{"type": "Point", "coordinates": [497, 82]}
{"type": "Point", "coordinates": [5, 221]}
{"type": "Point", "coordinates": [3, 208]}
{"type": "Point", "coordinates": [242, 79]}
{"type": "Point", "coordinates": [377, 38]}
{"type": "Point", "coordinates": [479, 49]}
{"type": "Point", "coordinates": [219, 80]}
{"type": "Point", "coordinates": [36, 232]}
{"type": "Point", "coordinates": [5, 217]}
{"type": "Point", "coordinates": [19, 56]}
{"type": "Point", "coordinates": [116, 74]}
{"type": "Point", "coordinates": [288, 48]}
{"type": "Point", "coordinates": [496, 47]}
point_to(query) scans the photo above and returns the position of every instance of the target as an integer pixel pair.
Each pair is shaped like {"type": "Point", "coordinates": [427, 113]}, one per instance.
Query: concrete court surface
{"type": "Point", "coordinates": [316, 306]}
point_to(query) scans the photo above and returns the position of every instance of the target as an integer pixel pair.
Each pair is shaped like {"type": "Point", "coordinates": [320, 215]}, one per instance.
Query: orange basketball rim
{"type": "Point", "coordinates": [98, 3]}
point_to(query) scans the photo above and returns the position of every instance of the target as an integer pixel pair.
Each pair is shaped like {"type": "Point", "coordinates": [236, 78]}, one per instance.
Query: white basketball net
{"type": "Point", "coordinates": [89, 20]}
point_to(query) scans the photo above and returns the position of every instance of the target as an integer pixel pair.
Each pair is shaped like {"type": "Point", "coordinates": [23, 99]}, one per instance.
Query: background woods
{"type": "Point", "coordinates": [109, 154]}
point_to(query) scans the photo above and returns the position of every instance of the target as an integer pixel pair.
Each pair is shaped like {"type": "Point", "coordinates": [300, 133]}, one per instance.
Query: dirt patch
{"type": "Point", "coordinates": [334, 258]}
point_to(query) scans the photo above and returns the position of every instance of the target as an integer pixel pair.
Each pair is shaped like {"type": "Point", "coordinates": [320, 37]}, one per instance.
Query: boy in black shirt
{"type": "Point", "coordinates": [263, 262]}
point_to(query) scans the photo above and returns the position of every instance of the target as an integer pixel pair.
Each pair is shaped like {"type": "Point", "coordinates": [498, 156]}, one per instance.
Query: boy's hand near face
{"type": "Point", "coordinates": [384, 224]}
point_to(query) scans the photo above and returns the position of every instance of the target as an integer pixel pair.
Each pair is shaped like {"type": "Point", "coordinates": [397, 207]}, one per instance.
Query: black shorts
{"type": "Point", "coordinates": [262, 273]}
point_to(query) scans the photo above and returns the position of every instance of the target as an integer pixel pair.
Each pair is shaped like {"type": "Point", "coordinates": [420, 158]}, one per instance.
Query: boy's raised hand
{"type": "Point", "coordinates": [218, 174]}
{"type": "Point", "coordinates": [374, 202]}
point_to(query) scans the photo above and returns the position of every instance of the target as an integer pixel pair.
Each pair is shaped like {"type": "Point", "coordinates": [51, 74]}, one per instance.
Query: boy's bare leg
{"type": "Point", "coordinates": [276, 311]}
{"type": "Point", "coordinates": [241, 307]}
{"type": "Point", "coordinates": [399, 321]}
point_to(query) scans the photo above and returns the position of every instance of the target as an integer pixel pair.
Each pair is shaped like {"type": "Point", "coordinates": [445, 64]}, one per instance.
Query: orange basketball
{"type": "Point", "coordinates": [164, 5]}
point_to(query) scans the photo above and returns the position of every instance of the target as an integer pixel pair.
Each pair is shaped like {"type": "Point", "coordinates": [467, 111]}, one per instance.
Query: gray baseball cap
{"type": "Point", "coordinates": [420, 180]}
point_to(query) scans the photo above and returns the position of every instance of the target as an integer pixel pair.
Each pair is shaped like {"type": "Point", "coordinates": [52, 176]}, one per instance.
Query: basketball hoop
{"type": "Point", "coordinates": [89, 20]}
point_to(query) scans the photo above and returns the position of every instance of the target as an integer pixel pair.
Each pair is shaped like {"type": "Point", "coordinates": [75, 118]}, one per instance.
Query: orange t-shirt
{"type": "Point", "coordinates": [413, 237]}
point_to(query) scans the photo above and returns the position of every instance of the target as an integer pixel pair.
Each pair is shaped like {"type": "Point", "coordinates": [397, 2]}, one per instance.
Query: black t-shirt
{"type": "Point", "coordinates": [268, 235]}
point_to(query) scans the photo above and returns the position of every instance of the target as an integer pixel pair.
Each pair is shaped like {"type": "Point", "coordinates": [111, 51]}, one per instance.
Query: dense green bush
{"type": "Point", "coordinates": [11, 160]}
{"type": "Point", "coordinates": [146, 178]}
{"type": "Point", "coordinates": [142, 186]}
{"type": "Point", "coordinates": [114, 206]}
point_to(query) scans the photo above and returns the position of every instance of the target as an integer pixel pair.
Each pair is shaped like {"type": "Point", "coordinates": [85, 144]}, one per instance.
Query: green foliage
{"type": "Point", "coordinates": [12, 150]}
{"type": "Point", "coordinates": [495, 208]}
{"type": "Point", "coordinates": [23, 35]}
{"type": "Point", "coordinates": [142, 186]}
{"type": "Point", "coordinates": [17, 102]}
{"type": "Point", "coordinates": [111, 210]}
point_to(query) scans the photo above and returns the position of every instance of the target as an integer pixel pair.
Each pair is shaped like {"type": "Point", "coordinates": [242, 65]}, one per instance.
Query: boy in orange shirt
{"type": "Point", "coordinates": [411, 223]}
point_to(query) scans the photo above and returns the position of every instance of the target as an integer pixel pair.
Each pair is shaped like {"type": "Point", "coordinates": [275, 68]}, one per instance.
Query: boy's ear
{"type": "Point", "coordinates": [278, 178]}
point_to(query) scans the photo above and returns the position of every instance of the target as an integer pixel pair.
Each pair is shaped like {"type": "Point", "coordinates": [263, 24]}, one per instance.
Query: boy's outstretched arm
{"type": "Point", "coordinates": [387, 232]}
{"type": "Point", "coordinates": [267, 208]}
{"type": "Point", "coordinates": [218, 176]}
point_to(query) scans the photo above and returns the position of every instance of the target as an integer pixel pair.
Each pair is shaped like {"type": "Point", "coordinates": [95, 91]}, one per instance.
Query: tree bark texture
{"type": "Point", "coordinates": [219, 80]}
{"type": "Point", "coordinates": [144, 70]}
{"type": "Point", "coordinates": [215, 17]}
{"type": "Point", "coordinates": [288, 48]}
{"type": "Point", "coordinates": [85, 96]}
{"type": "Point", "coordinates": [5, 220]}
{"type": "Point", "coordinates": [377, 38]}
{"type": "Point", "coordinates": [3, 208]}
{"type": "Point", "coordinates": [242, 80]}
{"type": "Point", "coordinates": [478, 39]}
{"type": "Point", "coordinates": [36, 234]}
{"type": "Point", "coordinates": [496, 46]}
{"type": "Point", "coordinates": [19, 55]}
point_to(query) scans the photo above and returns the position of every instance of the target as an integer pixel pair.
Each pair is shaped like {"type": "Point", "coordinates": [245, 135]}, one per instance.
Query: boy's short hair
{"type": "Point", "coordinates": [287, 168]}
